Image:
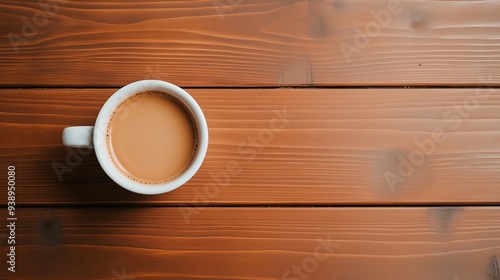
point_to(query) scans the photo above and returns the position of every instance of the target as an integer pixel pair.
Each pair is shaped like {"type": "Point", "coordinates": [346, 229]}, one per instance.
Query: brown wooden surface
{"type": "Point", "coordinates": [258, 243]}
{"type": "Point", "coordinates": [335, 149]}
{"type": "Point", "coordinates": [254, 43]}
{"type": "Point", "coordinates": [269, 191]}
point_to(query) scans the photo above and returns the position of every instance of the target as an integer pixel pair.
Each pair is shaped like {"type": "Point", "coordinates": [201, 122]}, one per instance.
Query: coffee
{"type": "Point", "coordinates": [151, 137]}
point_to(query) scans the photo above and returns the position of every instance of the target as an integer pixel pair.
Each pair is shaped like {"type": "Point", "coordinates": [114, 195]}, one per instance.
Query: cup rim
{"type": "Point", "coordinates": [110, 106]}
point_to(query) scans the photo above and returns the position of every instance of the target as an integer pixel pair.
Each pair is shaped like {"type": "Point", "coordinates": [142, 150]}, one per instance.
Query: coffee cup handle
{"type": "Point", "coordinates": [78, 136]}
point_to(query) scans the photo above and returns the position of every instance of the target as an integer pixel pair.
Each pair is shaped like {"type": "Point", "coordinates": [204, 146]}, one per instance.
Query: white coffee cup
{"type": "Point", "coordinates": [95, 136]}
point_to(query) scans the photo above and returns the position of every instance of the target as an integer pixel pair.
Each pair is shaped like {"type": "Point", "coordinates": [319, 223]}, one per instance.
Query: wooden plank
{"type": "Point", "coordinates": [331, 146]}
{"type": "Point", "coordinates": [248, 43]}
{"type": "Point", "coordinates": [256, 243]}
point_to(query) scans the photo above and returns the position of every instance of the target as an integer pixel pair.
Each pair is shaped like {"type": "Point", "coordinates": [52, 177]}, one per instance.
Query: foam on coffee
{"type": "Point", "coordinates": [152, 137]}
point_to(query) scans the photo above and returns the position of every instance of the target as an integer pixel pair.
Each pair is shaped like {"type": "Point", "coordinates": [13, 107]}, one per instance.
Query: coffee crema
{"type": "Point", "coordinates": [152, 137]}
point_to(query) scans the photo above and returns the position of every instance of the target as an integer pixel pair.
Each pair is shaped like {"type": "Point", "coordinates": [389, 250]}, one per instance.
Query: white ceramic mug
{"type": "Point", "coordinates": [95, 136]}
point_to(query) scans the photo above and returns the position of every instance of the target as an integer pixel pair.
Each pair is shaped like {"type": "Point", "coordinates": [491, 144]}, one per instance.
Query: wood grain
{"type": "Point", "coordinates": [331, 147]}
{"type": "Point", "coordinates": [248, 43]}
{"type": "Point", "coordinates": [257, 243]}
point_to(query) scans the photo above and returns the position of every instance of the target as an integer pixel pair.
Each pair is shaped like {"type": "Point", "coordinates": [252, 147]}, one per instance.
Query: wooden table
{"type": "Point", "coordinates": [348, 139]}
